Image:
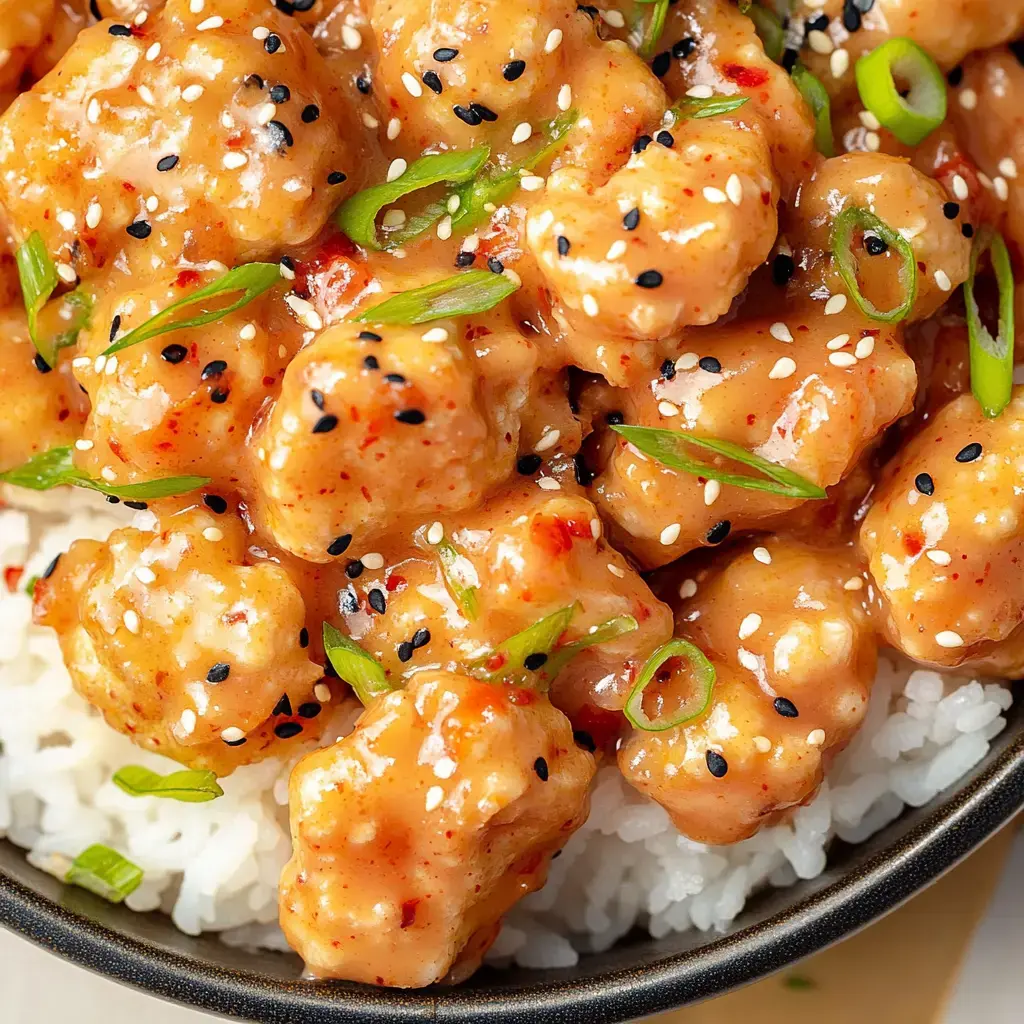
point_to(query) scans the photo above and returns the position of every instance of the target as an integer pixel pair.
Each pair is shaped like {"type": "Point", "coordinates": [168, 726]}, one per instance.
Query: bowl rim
{"type": "Point", "coordinates": [937, 842]}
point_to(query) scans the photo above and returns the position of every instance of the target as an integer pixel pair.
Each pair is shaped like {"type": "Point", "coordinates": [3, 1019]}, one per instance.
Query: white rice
{"type": "Point", "coordinates": [215, 866]}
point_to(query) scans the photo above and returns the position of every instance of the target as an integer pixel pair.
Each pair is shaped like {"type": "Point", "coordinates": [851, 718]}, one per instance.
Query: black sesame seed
{"type": "Point", "coordinates": [286, 730]}
{"type": "Point", "coordinates": [336, 178]}
{"type": "Point", "coordinates": [219, 672]}
{"type": "Point", "coordinates": [364, 85]}
{"type": "Point", "coordinates": [113, 500]}
{"type": "Point", "coordinates": [287, 262]}
{"type": "Point", "coordinates": [50, 569]}
{"type": "Point", "coordinates": [421, 638]}
{"type": "Point", "coordinates": [339, 545]}
{"type": "Point", "coordinates": [283, 706]}
{"type": "Point", "coordinates": [684, 48]}
{"type": "Point", "coordinates": [783, 268]}
{"type": "Point", "coordinates": [955, 76]}
{"type": "Point", "coordinates": [309, 710]}
{"type": "Point", "coordinates": [528, 465]}
{"type": "Point", "coordinates": [330, 672]}
{"type": "Point", "coordinates": [874, 245]}
{"type": "Point", "coordinates": [115, 326]}
{"type": "Point", "coordinates": [433, 82]}
{"type": "Point", "coordinates": [235, 743]}
{"type": "Point", "coordinates": [348, 602]}
{"type": "Point", "coordinates": [94, 10]}
{"type": "Point", "coordinates": [369, 336]}
{"type": "Point", "coordinates": [214, 368]}
{"type": "Point", "coordinates": [272, 43]}
{"type": "Point", "coordinates": [174, 353]}
{"type": "Point", "coordinates": [405, 651]}
{"type": "Point", "coordinates": [951, 210]}
{"type": "Point", "coordinates": [661, 64]}
{"type": "Point", "coordinates": [465, 259]}
{"type": "Point", "coordinates": [284, 7]}
{"type": "Point", "coordinates": [925, 484]}
{"type": "Point", "coordinates": [280, 136]}
{"type": "Point", "coordinates": [564, 245]}
{"type": "Point", "coordinates": [583, 473]}
{"type": "Point", "coordinates": [394, 378]}
{"type": "Point", "coordinates": [513, 70]}
{"type": "Point", "coordinates": [317, 398]}
{"type": "Point", "coordinates": [668, 369]}
{"type": "Point", "coordinates": [495, 266]}
{"type": "Point", "coordinates": [535, 661]}
{"type": "Point", "coordinates": [1017, 48]}
{"type": "Point", "coordinates": [377, 600]}
{"type": "Point", "coordinates": [310, 113]}
{"type": "Point", "coordinates": [41, 364]}
{"type": "Point", "coordinates": [280, 93]}
{"type": "Point", "coordinates": [485, 113]}
{"type": "Point", "coordinates": [651, 279]}
{"type": "Point", "coordinates": [445, 54]}
{"type": "Point", "coordinates": [851, 17]}
{"type": "Point", "coordinates": [666, 139]}
{"type": "Point", "coordinates": [139, 229]}
{"type": "Point", "coordinates": [325, 424]}
{"type": "Point", "coordinates": [371, 363]}
{"type": "Point", "coordinates": [817, 24]}
{"type": "Point", "coordinates": [631, 220]}
{"type": "Point", "coordinates": [709, 364]}
{"type": "Point", "coordinates": [785, 707]}
{"type": "Point", "coordinates": [139, 506]}
{"type": "Point", "coordinates": [119, 30]}
{"type": "Point", "coordinates": [411, 416]}
{"type": "Point", "coordinates": [969, 453]}
{"type": "Point", "coordinates": [303, 637]}
{"type": "Point", "coordinates": [967, 230]}
{"type": "Point", "coordinates": [219, 395]}
{"type": "Point", "coordinates": [614, 419]}
{"type": "Point", "coordinates": [470, 117]}
{"type": "Point", "coordinates": [167, 163]}
{"type": "Point", "coordinates": [584, 739]}
{"type": "Point", "coordinates": [718, 532]}
{"type": "Point", "coordinates": [789, 59]}
{"type": "Point", "coordinates": [354, 569]}
{"type": "Point", "coordinates": [642, 143]}
{"type": "Point", "coordinates": [540, 766]}
{"type": "Point", "coordinates": [215, 503]}
{"type": "Point", "coordinates": [717, 764]}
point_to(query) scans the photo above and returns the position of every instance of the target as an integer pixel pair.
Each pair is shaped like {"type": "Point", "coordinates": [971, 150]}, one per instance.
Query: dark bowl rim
{"type": "Point", "coordinates": [936, 843]}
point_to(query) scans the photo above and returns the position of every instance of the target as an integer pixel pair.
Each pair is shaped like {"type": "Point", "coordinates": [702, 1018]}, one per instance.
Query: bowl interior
{"type": "Point", "coordinates": [639, 976]}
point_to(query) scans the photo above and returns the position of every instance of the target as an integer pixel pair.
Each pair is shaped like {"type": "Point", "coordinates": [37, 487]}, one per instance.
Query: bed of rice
{"type": "Point", "coordinates": [214, 866]}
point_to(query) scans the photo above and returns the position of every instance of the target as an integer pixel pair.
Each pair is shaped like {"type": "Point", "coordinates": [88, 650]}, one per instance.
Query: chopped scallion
{"type": "Point", "coordinates": [460, 578]}
{"type": "Point", "coordinates": [655, 27]}
{"type": "Point", "coordinates": [991, 358]}
{"type": "Point", "coordinates": [816, 97]}
{"type": "Point", "coordinates": [769, 29]}
{"type": "Point", "coordinates": [693, 108]}
{"type": "Point", "coordinates": [476, 291]}
{"type": "Point", "coordinates": [601, 634]}
{"type": "Point", "coordinates": [188, 787]}
{"type": "Point", "coordinates": [363, 672]}
{"type": "Point", "coordinates": [512, 659]}
{"type": "Point", "coordinates": [692, 707]}
{"type": "Point", "coordinates": [105, 872]}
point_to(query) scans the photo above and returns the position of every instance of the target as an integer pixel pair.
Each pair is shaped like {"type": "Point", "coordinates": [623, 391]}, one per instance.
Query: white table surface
{"type": "Point", "coordinates": [37, 988]}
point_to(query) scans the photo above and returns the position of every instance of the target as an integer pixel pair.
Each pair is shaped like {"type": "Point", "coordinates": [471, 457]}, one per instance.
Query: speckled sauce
{"type": "Point", "coordinates": [434, 486]}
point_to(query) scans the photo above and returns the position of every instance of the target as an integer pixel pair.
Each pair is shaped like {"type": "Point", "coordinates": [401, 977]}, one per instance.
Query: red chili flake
{"type": "Point", "coordinates": [12, 576]}
{"type": "Point", "coordinates": [521, 697]}
{"type": "Point", "coordinates": [186, 278]}
{"type": "Point", "coordinates": [747, 78]}
{"type": "Point", "coordinates": [495, 661]}
{"type": "Point", "coordinates": [409, 912]}
{"type": "Point", "coordinates": [127, 186]}
{"type": "Point", "coordinates": [552, 535]}
{"type": "Point", "coordinates": [913, 543]}
{"type": "Point", "coordinates": [269, 382]}
{"type": "Point", "coordinates": [396, 582]}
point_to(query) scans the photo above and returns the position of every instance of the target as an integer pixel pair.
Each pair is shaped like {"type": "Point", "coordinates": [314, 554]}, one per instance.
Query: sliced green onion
{"type": "Point", "coordinates": [669, 448]}
{"type": "Point", "coordinates": [457, 570]}
{"type": "Point", "coordinates": [655, 27]}
{"type": "Point", "coordinates": [913, 117]}
{"type": "Point", "coordinates": [476, 291]}
{"type": "Point", "coordinates": [991, 358]}
{"type": "Point", "coordinates": [508, 660]}
{"type": "Point", "coordinates": [55, 468]}
{"type": "Point", "coordinates": [695, 704]}
{"type": "Point", "coordinates": [846, 223]}
{"type": "Point", "coordinates": [816, 97]}
{"type": "Point", "coordinates": [693, 108]}
{"type": "Point", "coordinates": [30, 587]}
{"type": "Point", "coordinates": [769, 30]}
{"type": "Point", "coordinates": [188, 787]}
{"type": "Point", "coordinates": [357, 216]}
{"type": "Point", "coordinates": [105, 872]}
{"type": "Point", "coordinates": [251, 279]}
{"type": "Point", "coordinates": [602, 634]}
{"type": "Point", "coordinates": [361, 670]}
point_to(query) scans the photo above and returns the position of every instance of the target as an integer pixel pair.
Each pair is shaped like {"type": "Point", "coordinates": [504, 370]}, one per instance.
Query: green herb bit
{"type": "Point", "coordinates": [655, 27]}
{"type": "Point", "coordinates": [799, 983]}
{"type": "Point", "coordinates": [991, 358]}
{"type": "Point", "coordinates": [816, 97]}
{"type": "Point", "coordinates": [458, 571]}
{"type": "Point", "coordinates": [604, 633]}
{"type": "Point", "coordinates": [695, 704]}
{"type": "Point", "coordinates": [361, 670]}
{"type": "Point", "coordinates": [475, 291]}
{"type": "Point", "coordinates": [696, 108]}
{"type": "Point", "coordinates": [188, 787]}
{"type": "Point", "coordinates": [526, 651]}
{"type": "Point", "coordinates": [105, 872]}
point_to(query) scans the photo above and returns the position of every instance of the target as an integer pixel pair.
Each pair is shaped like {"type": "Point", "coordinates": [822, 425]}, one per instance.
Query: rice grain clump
{"type": "Point", "coordinates": [215, 866]}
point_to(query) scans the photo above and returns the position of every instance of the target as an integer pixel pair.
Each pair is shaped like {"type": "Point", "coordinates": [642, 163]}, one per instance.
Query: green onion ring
{"type": "Point", "coordinates": [913, 118]}
{"type": "Point", "coordinates": [991, 358]}
{"type": "Point", "coordinates": [842, 235]}
{"type": "Point", "coordinates": [693, 707]}
{"type": "Point", "coordinates": [816, 97]}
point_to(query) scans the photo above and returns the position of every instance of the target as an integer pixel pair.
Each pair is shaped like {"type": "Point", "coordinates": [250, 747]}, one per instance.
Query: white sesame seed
{"type": "Point", "coordinates": [668, 409]}
{"type": "Point", "coordinates": [853, 583]}
{"type": "Point", "coordinates": [869, 120]}
{"type": "Point", "coordinates": [435, 534]}
{"type": "Point", "coordinates": [750, 625]}
{"type": "Point", "coordinates": [369, 121]}
{"type": "Point", "coordinates": [816, 737]}
{"type": "Point", "coordinates": [532, 183]}
{"type": "Point", "coordinates": [108, 474]}
{"type": "Point", "coordinates": [838, 342]}
{"type": "Point", "coordinates": [454, 202]}
{"type": "Point", "coordinates": [145, 575]}
{"type": "Point", "coordinates": [394, 129]}
{"type": "Point", "coordinates": [196, 6]}
{"type": "Point", "coordinates": [412, 85]}
{"type": "Point", "coordinates": [1008, 167]}
{"type": "Point", "coordinates": [872, 142]}
{"type": "Point", "coordinates": [213, 534]}
{"type": "Point", "coordinates": [687, 361]}
{"type": "Point", "coordinates": [614, 18]}
{"type": "Point", "coordinates": [780, 332]}
{"type": "Point", "coordinates": [549, 483]}
{"type": "Point", "coordinates": [232, 161]}
{"type": "Point", "coordinates": [152, 203]}
{"type": "Point", "coordinates": [84, 444]}
{"type": "Point", "coordinates": [93, 215]}
{"type": "Point", "coordinates": [670, 534]}
{"type": "Point", "coordinates": [66, 219]}
{"type": "Point", "coordinates": [436, 334]}
{"type": "Point", "coordinates": [191, 93]}
{"type": "Point", "coordinates": [373, 560]}
{"type": "Point", "coordinates": [844, 360]}
{"type": "Point", "coordinates": [265, 113]}
{"type": "Point", "coordinates": [305, 311]}
{"type": "Point", "coordinates": [1002, 189]}
{"type": "Point", "coordinates": [111, 368]}
{"type": "Point", "coordinates": [232, 734]}
{"type": "Point", "coordinates": [215, 22]}
{"type": "Point", "coordinates": [393, 218]}
{"type": "Point", "coordinates": [960, 189]}
{"type": "Point", "coordinates": [66, 273]}
{"type": "Point", "coordinates": [714, 195]}
{"type": "Point", "coordinates": [131, 621]}
{"type": "Point", "coordinates": [616, 571]}
{"type": "Point", "coordinates": [101, 361]}
{"type": "Point", "coordinates": [968, 99]}
{"type": "Point", "coordinates": [322, 692]}
{"type": "Point", "coordinates": [616, 249]}
{"type": "Point", "coordinates": [565, 97]}
{"type": "Point", "coordinates": [350, 37]}
{"type": "Point", "coordinates": [92, 111]}
{"type": "Point", "coordinates": [748, 660]}
{"type": "Point", "coordinates": [947, 638]}
{"type": "Point", "coordinates": [762, 744]}
{"type": "Point", "coordinates": [595, 528]}
{"type": "Point", "coordinates": [260, 32]}
{"type": "Point", "coordinates": [819, 42]}
{"type": "Point", "coordinates": [734, 189]}
{"type": "Point", "coordinates": [939, 557]}
{"type": "Point", "coordinates": [839, 62]}
{"type": "Point", "coordinates": [712, 489]}
{"type": "Point", "coordinates": [248, 332]}
{"type": "Point", "coordinates": [153, 52]}
{"type": "Point", "coordinates": [523, 132]}
{"type": "Point", "coordinates": [444, 228]}
{"type": "Point", "coordinates": [286, 272]}
{"type": "Point", "coordinates": [81, 361]}
{"type": "Point", "coordinates": [397, 169]}
{"type": "Point", "coordinates": [471, 243]}
{"type": "Point", "coordinates": [864, 347]}
{"type": "Point", "coordinates": [700, 92]}
{"type": "Point", "coordinates": [187, 722]}
{"type": "Point", "coordinates": [553, 41]}
{"type": "Point", "coordinates": [549, 440]}
{"type": "Point", "coordinates": [762, 555]}
{"type": "Point", "coordinates": [835, 304]}
{"type": "Point", "coordinates": [943, 281]}
{"type": "Point", "coordinates": [590, 306]}
{"type": "Point", "coordinates": [783, 368]}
